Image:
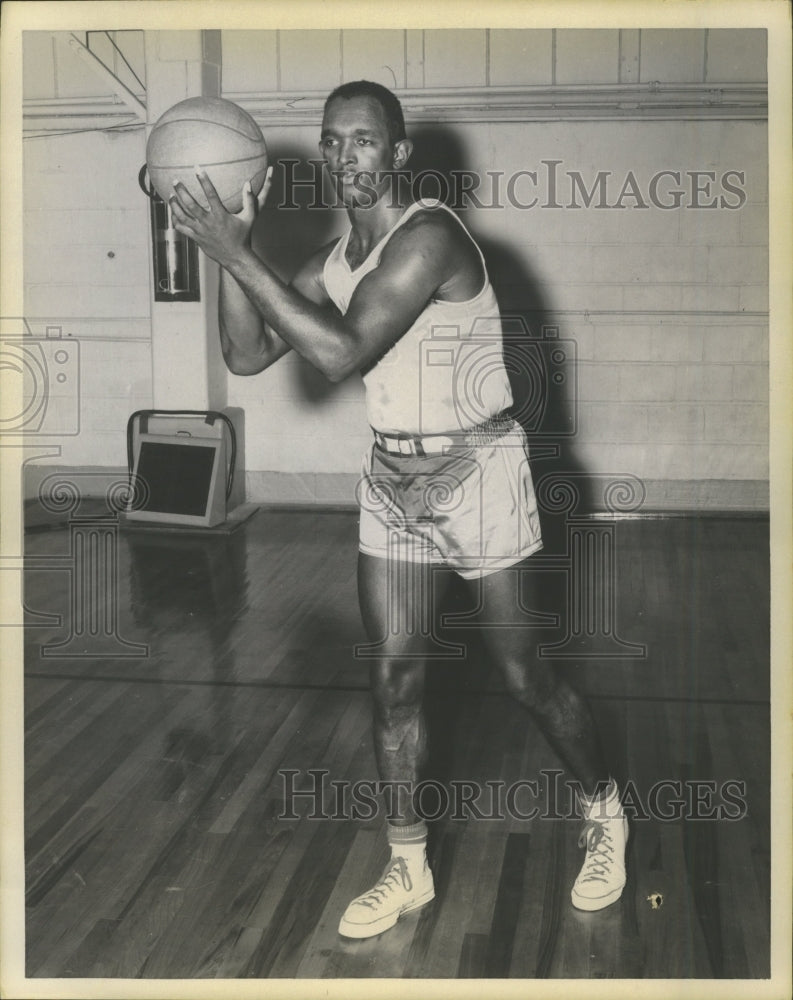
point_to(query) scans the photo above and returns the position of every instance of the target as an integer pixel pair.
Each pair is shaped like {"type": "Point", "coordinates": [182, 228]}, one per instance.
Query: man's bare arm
{"type": "Point", "coordinates": [249, 345]}
{"type": "Point", "coordinates": [415, 263]}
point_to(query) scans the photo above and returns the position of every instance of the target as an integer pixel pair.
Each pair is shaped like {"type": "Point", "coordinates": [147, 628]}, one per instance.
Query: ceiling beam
{"type": "Point", "coordinates": [96, 65]}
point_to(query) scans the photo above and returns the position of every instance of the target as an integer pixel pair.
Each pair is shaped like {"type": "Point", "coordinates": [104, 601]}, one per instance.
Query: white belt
{"type": "Point", "coordinates": [437, 444]}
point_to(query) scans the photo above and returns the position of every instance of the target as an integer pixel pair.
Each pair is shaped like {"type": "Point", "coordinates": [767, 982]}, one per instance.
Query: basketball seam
{"type": "Point", "coordinates": [204, 121]}
{"type": "Point", "coordinates": [205, 163]}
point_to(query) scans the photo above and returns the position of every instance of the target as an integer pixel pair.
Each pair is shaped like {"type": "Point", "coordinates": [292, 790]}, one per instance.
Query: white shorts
{"type": "Point", "coordinates": [471, 509]}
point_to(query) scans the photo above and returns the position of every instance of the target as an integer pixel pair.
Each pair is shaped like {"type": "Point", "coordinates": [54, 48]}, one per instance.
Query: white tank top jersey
{"type": "Point", "coordinates": [446, 373]}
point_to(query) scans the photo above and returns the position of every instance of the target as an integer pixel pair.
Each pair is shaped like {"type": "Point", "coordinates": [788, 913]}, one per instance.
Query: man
{"type": "Point", "coordinates": [447, 481]}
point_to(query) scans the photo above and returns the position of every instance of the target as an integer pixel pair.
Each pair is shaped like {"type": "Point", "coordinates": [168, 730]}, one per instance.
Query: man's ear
{"type": "Point", "coordinates": [402, 151]}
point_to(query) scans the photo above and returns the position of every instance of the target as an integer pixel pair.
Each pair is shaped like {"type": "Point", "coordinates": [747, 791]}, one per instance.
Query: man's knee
{"type": "Point", "coordinates": [398, 694]}
{"type": "Point", "coordinates": [397, 684]}
{"type": "Point", "coordinates": [532, 684]}
{"type": "Point", "coordinates": [397, 705]}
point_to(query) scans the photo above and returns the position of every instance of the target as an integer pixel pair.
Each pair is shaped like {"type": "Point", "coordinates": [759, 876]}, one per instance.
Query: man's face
{"type": "Point", "coordinates": [357, 149]}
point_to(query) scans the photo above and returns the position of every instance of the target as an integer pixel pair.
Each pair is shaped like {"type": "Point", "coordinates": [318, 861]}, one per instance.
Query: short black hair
{"type": "Point", "coordinates": [388, 101]}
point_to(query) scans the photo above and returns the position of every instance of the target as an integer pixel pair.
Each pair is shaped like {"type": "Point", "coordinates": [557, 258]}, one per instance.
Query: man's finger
{"type": "Point", "coordinates": [181, 218]}
{"type": "Point", "coordinates": [177, 210]}
{"type": "Point", "coordinates": [209, 189]}
{"type": "Point", "coordinates": [248, 210]}
{"type": "Point", "coordinates": [185, 200]}
{"type": "Point", "coordinates": [262, 196]}
{"type": "Point", "coordinates": [182, 228]}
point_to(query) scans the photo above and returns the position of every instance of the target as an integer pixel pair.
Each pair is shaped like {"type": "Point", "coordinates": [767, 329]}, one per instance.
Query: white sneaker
{"type": "Point", "coordinates": [602, 877]}
{"type": "Point", "coordinates": [380, 908]}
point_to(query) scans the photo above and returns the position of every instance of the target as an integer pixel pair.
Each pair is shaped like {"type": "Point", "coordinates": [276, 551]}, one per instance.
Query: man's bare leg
{"type": "Point", "coordinates": [397, 608]}
{"type": "Point", "coordinates": [566, 721]}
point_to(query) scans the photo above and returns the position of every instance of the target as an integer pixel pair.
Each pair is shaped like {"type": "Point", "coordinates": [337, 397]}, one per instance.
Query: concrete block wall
{"type": "Point", "coordinates": [266, 61]}
{"type": "Point", "coordinates": [87, 272]}
{"type": "Point", "coordinates": [304, 435]}
{"type": "Point", "coordinates": [667, 307]}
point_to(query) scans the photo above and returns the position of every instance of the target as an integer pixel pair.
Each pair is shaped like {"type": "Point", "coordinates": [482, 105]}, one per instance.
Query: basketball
{"type": "Point", "coordinates": [211, 133]}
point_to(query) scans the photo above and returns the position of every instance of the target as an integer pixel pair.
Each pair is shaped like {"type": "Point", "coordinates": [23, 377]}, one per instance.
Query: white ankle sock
{"type": "Point", "coordinates": [605, 806]}
{"type": "Point", "coordinates": [410, 843]}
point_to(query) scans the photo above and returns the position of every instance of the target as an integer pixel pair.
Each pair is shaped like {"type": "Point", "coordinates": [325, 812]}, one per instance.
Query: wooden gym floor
{"type": "Point", "coordinates": [155, 843]}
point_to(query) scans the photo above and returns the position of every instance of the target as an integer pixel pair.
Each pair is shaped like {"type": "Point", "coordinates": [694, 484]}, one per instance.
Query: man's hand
{"type": "Point", "coordinates": [221, 235]}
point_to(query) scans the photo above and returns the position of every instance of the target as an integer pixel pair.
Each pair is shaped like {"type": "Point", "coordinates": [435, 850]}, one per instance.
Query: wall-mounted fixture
{"type": "Point", "coordinates": [174, 256]}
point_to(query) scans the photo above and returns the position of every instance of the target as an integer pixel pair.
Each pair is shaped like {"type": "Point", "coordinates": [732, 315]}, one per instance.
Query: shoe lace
{"type": "Point", "coordinates": [596, 837]}
{"type": "Point", "coordinates": [396, 871]}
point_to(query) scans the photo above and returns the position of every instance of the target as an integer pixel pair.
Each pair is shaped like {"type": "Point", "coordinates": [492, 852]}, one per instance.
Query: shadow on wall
{"type": "Point", "coordinates": [541, 362]}
{"type": "Point", "coordinates": [286, 236]}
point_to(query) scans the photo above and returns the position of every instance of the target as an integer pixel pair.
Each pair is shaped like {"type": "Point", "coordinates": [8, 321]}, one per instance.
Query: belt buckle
{"type": "Point", "coordinates": [440, 444]}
